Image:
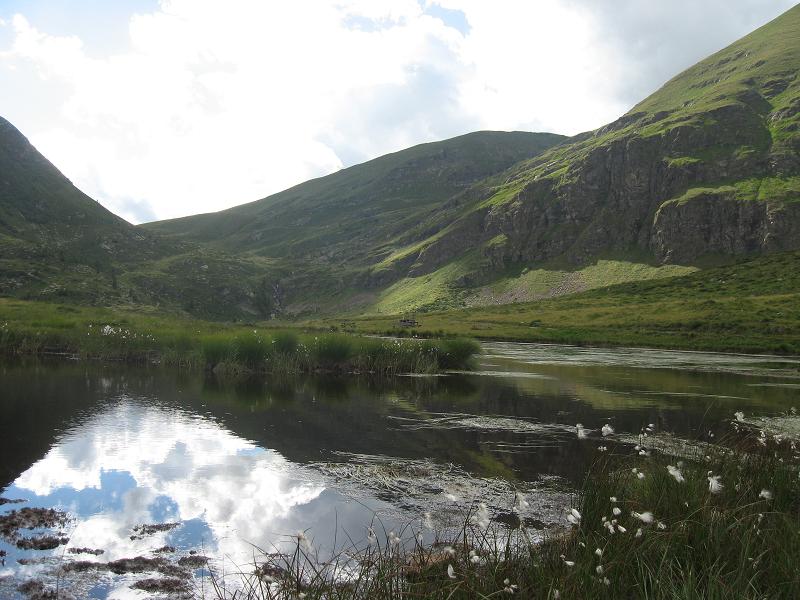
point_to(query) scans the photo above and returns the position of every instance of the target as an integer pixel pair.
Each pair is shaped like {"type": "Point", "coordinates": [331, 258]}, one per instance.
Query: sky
{"type": "Point", "coordinates": [166, 108]}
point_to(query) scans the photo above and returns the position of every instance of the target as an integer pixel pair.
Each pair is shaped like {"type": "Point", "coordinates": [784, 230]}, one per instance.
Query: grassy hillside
{"type": "Point", "coordinates": [59, 245]}
{"type": "Point", "coordinates": [360, 213]}
{"type": "Point", "coordinates": [53, 237]}
{"type": "Point", "coordinates": [322, 237]}
{"type": "Point", "coordinates": [706, 170]}
{"type": "Point", "coordinates": [752, 306]}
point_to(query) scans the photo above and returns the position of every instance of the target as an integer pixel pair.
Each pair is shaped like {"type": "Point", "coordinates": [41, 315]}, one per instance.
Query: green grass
{"type": "Point", "coordinates": [752, 306]}
{"type": "Point", "coordinates": [642, 527]}
{"type": "Point", "coordinates": [40, 328]}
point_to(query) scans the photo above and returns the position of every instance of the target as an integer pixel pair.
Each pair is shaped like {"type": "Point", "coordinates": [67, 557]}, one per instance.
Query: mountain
{"type": "Point", "coordinates": [321, 237]}
{"type": "Point", "coordinates": [251, 262]}
{"type": "Point", "coordinates": [360, 213]}
{"type": "Point", "coordinates": [55, 241]}
{"type": "Point", "coordinates": [704, 171]}
{"type": "Point", "coordinates": [57, 244]}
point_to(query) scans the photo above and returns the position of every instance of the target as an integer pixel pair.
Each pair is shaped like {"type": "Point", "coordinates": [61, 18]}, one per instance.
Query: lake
{"type": "Point", "coordinates": [167, 465]}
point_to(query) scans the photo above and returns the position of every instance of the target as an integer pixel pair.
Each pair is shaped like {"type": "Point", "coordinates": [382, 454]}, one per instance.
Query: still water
{"type": "Point", "coordinates": [233, 469]}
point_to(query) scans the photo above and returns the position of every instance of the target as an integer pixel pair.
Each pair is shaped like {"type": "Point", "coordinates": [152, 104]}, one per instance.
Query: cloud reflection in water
{"type": "Point", "coordinates": [137, 463]}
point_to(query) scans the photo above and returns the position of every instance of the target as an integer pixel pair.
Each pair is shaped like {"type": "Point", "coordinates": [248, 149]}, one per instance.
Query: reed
{"type": "Point", "coordinates": [39, 328]}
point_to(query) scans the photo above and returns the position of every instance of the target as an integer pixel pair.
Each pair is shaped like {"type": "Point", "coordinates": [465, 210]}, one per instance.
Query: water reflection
{"type": "Point", "coordinates": [252, 462]}
{"type": "Point", "coordinates": [135, 463]}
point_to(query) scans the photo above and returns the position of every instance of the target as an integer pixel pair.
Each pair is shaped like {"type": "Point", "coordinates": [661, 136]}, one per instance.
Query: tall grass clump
{"type": "Point", "coordinates": [455, 353]}
{"type": "Point", "coordinates": [250, 350]}
{"type": "Point", "coordinates": [216, 349]}
{"type": "Point", "coordinates": [332, 349]}
{"type": "Point", "coordinates": [393, 356]}
{"type": "Point", "coordinates": [285, 342]}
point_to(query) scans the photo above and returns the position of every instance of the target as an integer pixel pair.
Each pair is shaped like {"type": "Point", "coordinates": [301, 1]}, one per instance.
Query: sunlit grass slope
{"type": "Point", "coordinates": [750, 306]}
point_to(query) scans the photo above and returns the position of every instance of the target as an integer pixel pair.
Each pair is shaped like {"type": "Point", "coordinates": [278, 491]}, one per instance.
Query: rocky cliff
{"type": "Point", "coordinates": [709, 165]}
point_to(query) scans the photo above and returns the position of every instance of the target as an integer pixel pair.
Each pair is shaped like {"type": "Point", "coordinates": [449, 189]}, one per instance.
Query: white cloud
{"type": "Point", "coordinates": [217, 104]}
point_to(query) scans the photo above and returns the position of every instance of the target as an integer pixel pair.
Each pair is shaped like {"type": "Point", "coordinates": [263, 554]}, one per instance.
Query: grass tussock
{"type": "Point", "coordinates": [718, 526]}
{"type": "Point", "coordinates": [38, 328]}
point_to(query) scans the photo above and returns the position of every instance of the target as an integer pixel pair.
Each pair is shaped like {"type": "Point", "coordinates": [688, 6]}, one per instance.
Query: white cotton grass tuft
{"type": "Point", "coordinates": [574, 516]}
{"type": "Point", "coordinates": [638, 533]}
{"type": "Point", "coordinates": [481, 516]}
{"type": "Point", "coordinates": [371, 537]}
{"type": "Point", "coordinates": [613, 498]}
{"type": "Point", "coordinates": [739, 415]}
{"type": "Point", "coordinates": [607, 430]}
{"type": "Point", "coordinates": [645, 517]}
{"type": "Point", "coordinates": [599, 552]}
{"type": "Point", "coordinates": [640, 475]}
{"type": "Point", "coordinates": [449, 550]}
{"type": "Point", "coordinates": [676, 473]}
{"type": "Point", "coordinates": [580, 431]}
{"type": "Point", "coordinates": [616, 511]}
{"type": "Point", "coordinates": [304, 542]}
{"type": "Point", "coordinates": [765, 494]}
{"type": "Point", "coordinates": [714, 484]}
{"type": "Point", "coordinates": [569, 563]}
{"type": "Point", "coordinates": [451, 572]}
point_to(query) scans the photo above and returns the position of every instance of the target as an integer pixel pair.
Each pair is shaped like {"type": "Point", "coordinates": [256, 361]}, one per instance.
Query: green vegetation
{"type": "Point", "coordinates": [752, 306]}
{"type": "Point", "coordinates": [39, 328]}
{"type": "Point", "coordinates": [354, 212]}
{"type": "Point", "coordinates": [722, 524]}
{"type": "Point", "coordinates": [725, 129]}
{"type": "Point", "coordinates": [702, 172]}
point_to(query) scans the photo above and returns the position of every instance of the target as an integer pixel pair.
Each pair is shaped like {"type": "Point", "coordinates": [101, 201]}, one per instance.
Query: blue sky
{"type": "Point", "coordinates": [160, 109]}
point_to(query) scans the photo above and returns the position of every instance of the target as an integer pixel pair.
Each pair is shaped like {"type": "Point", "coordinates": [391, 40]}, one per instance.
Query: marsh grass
{"type": "Point", "coordinates": [38, 328]}
{"type": "Point", "coordinates": [668, 539]}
